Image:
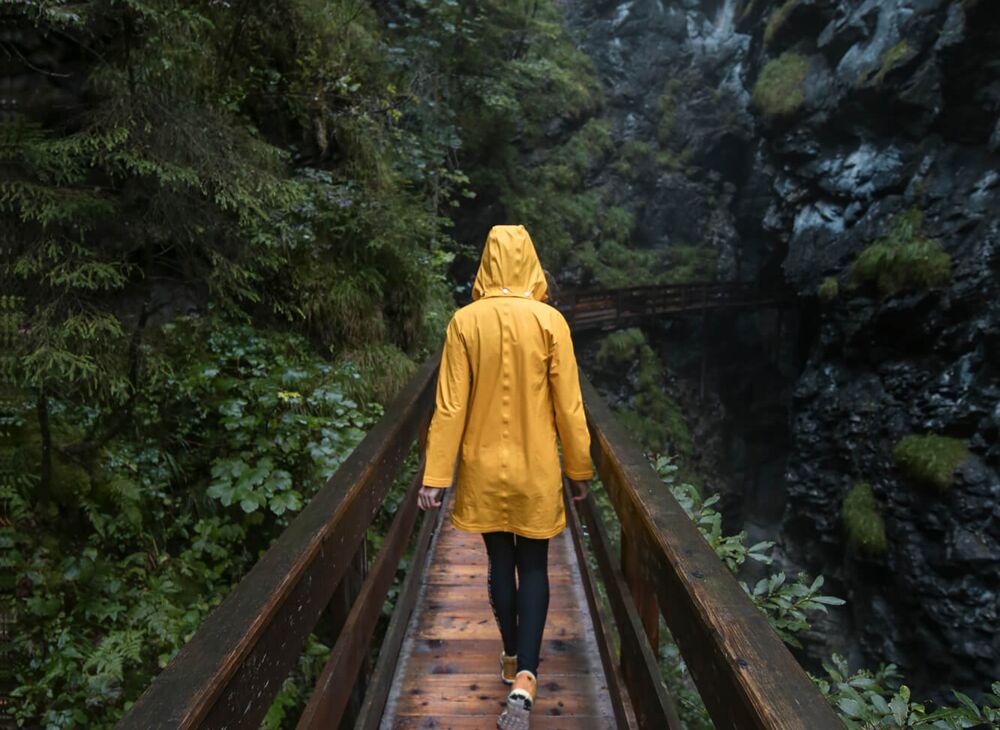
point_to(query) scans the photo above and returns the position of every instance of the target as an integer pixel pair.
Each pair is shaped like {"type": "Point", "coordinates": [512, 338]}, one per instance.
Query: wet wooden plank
{"type": "Point", "coordinates": [479, 722]}
{"type": "Point", "coordinates": [448, 674]}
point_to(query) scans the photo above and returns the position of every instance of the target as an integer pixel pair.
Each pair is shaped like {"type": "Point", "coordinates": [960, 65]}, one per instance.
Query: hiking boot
{"type": "Point", "coordinates": [519, 702]}
{"type": "Point", "coordinates": [508, 668]}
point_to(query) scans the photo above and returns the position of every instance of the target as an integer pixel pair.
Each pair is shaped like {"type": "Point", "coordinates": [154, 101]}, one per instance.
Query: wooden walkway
{"type": "Point", "coordinates": [448, 670]}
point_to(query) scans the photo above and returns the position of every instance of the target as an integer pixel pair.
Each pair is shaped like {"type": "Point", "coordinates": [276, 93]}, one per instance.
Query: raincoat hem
{"type": "Point", "coordinates": [580, 475]}
{"type": "Point", "coordinates": [535, 534]}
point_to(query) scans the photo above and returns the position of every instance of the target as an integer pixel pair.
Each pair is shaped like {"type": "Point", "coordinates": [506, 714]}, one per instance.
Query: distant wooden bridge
{"type": "Point", "coordinates": [614, 308]}
{"type": "Point", "coordinates": [436, 666]}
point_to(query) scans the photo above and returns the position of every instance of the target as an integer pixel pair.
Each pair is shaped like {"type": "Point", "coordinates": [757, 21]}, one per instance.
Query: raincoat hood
{"type": "Point", "coordinates": [510, 266]}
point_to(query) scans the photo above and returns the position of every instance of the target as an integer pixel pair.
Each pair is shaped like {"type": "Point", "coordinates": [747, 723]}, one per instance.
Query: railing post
{"type": "Point", "coordinates": [642, 592]}
{"type": "Point", "coordinates": [339, 607]}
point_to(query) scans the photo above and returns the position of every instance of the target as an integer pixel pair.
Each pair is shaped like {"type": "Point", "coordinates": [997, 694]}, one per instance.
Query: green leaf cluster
{"type": "Point", "coordinates": [876, 699]}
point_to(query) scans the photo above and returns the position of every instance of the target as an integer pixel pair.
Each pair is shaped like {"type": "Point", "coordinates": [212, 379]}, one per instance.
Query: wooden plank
{"type": "Point", "coordinates": [441, 596]}
{"type": "Point", "coordinates": [335, 686]}
{"type": "Point", "coordinates": [479, 722]}
{"type": "Point", "coordinates": [474, 694]}
{"type": "Point", "coordinates": [651, 702]}
{"type": "Point", "coordinates": [340, 607]}
{"type": "Point", "coordinates": [745, 674]}
{"type": "Point", "coordinates": [381, 680]}
{"type": "Point", "coordinates": [624, 712]}
{"type": "Point", "coordinates": [471, 623]}
{"type": "Point", "coordinates": [230, 670]}
{"type": "Point", "coordinates": [479, 656]}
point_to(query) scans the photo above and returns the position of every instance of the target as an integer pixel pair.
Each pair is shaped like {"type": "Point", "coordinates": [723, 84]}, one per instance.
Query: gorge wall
{"type": "Point", "coordinates": [789, 138]}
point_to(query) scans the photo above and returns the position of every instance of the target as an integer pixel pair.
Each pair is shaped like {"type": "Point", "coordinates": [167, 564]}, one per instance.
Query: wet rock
{"type": "Point", "coordinates": [900, 112]}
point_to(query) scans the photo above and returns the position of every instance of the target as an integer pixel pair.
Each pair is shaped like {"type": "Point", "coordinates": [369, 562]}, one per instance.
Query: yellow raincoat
{"type": "Point", "coordinates": [508, 380]}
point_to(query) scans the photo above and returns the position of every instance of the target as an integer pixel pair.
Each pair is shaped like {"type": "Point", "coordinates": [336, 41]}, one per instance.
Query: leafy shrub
{"type": "Point", "coordinates": [778, 90]}
{"type": "Point", "coordinates": [863, 520]}
{"type": "Point", "coordinates": [828, 289]}
{"type": "Point", "coordinates": [930, 459]}
{"type": "Point", "coordinates": [903, 259]}
{"type": "Point", "coordinates": [875, 699]}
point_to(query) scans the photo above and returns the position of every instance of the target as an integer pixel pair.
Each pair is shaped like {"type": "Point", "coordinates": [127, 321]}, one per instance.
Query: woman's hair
{"type": "Point", "coordinates": [550, 282]}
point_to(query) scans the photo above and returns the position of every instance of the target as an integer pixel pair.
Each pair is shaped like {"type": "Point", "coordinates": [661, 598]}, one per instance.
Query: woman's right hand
{"type": "Point", "coordinates": [579, 489]}
{"type": "Point", "coordinates": [429, 497]}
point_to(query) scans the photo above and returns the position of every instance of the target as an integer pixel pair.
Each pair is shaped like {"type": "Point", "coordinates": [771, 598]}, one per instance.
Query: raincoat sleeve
{"type": "Point", "coordinates": [444, 434]}
{"type": "Point", "coordinates": [571, 422]}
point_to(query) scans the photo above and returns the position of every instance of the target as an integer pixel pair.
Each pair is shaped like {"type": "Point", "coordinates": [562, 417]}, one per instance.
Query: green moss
{"type": "Point", "coordinates": [903, 259]}
{"type": "Point", "coordinates": [632, 155]}
{"type": "Point", "coordinates": [690, 263]}
{"type": "Point", "coordinates": [668, 105]}
{"type": "Point", "coordinates": [863, 521]}
{"type": "Point", "coordinates": [778, 90]}
{"type": "Point", "coordinates": [777, 19]}
{"type": "Point", "coordinates": [671, 160]}
{"type": "Point", "coordinates": [652, 417]}
{"type": "Point", "coordinates": [620, 347]}
{"type": "Point", "coordinates": [890, 58]}
{"type": "Point", "coordinates": [930, 459]}
{"type": "Point", "coordinates": [828, 289]}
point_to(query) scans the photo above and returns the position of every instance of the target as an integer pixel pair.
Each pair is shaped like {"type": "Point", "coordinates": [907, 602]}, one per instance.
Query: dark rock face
{"type": "Point", "coordinates": [900, 111]}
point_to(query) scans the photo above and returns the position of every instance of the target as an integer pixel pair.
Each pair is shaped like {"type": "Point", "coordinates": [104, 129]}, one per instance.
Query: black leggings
{"type": "Point", "coordinates": [520, 609]}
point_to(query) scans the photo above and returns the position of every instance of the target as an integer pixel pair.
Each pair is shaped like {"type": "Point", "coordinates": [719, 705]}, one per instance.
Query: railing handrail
{"type": "Point", "coordinates": [745, 674]}
{"type": "Point", "coordinates": [228, 673]}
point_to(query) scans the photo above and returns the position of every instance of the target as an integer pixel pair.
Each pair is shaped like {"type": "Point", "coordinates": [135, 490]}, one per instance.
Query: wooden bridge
{"type": "Point", "coordinates": [614, 308]}
{"type": "Point", "coordinates": [437, 664]}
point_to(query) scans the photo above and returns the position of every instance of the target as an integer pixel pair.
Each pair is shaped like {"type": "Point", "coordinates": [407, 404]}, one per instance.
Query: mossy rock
{"type": "Point", "coordinates": [778, 90]}
{"type": "Point", "coordinates": [828, 289]}
{"type": "Point", "coordinates": [863, 521]}
{"type": "Point", "coordinates": [891, 58]}
{"type": "Point", "coordinates": [904, 259]}
{"type": "Point", "coordinates": [930, 459]}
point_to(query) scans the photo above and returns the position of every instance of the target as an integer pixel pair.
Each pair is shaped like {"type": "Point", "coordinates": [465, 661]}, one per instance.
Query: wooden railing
{"type": "Point", "coordinates": [228, 674]}
{"type": "Point", "coordinates": [609, 308]}
{"type": "Point", "coordinates": [745, 675]}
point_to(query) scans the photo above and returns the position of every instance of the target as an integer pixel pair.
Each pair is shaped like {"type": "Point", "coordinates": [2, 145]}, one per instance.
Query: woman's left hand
{"type": "Point", "coordinates": [429, 497]}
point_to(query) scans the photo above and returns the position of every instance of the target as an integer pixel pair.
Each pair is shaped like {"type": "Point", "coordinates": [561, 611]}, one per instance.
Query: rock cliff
{"type": "Point", "coordinates": [849, 149]}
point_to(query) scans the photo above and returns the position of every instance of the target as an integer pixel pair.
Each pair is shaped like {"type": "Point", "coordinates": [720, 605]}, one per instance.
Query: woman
{"type": "Point", "coordinates": [508, 383]}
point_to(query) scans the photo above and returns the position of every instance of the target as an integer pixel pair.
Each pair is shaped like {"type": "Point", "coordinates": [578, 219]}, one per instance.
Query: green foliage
{"type": "Point", "coordinates": [903, 259]}
{"type": "Point", "coordinates": [778, 90]}
{"type": "Point", "coordinates": [615, 265]}
{"type": "Point", "coordinates": [828, 289]}
{"type": "Point", "coordinates": [863, 521]}
{"type": "Point", "coordinates": [777, 19]}
{"type": "Point", "coordinates": [930, 459]}
{"type": "Point", "coordinates": [653, 418]}
{"type": "Point", "coordinates": [234, 429]}
{"type": "Point", "coordinates": [668, 103]}
{"type": "Point", "coordinates": [867, 700]}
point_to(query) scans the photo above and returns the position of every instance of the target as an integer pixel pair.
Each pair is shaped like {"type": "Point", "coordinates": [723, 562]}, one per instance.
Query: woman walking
{"type": "Point", "coordinates": [507, 385]}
